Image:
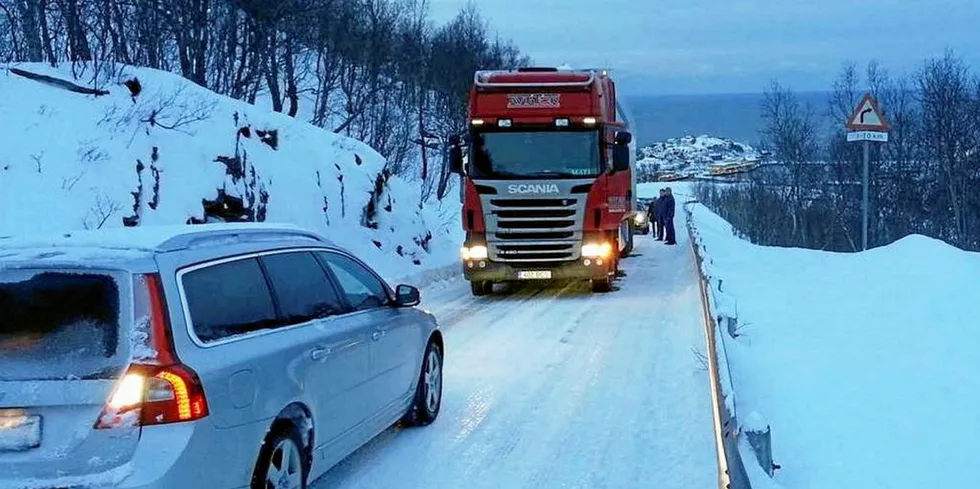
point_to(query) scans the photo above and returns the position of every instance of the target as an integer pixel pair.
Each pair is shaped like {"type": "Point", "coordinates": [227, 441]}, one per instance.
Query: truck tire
{"type": "Point", "coordinates": [481, 288]}
{"type": "Point", "coordinates": [629, 242]}
{"type": "Point", "coordinates": [601, 285]}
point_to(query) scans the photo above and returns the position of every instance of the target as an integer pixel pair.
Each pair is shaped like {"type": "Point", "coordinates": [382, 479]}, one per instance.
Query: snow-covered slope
{"type": "Point", "coordinates": [692, 155]}
{"type": "Point", "coordinates": [865, 365]}
{"type": "Point", "coordinates": [177, 153]}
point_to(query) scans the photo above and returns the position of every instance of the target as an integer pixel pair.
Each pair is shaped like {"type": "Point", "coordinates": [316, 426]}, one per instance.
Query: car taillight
{"type": "Point", "coordinates": [158, 389]}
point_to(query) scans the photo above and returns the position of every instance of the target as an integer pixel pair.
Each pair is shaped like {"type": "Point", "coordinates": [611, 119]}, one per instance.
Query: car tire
{"type": "Point", "coordinates": [481, 288]}
{"type": "Point", "coordinates": [282, 458]}
{"type": "Point", "coordinates": [601, 285]}
{"type": "Point", "coordinates": [428, 393]}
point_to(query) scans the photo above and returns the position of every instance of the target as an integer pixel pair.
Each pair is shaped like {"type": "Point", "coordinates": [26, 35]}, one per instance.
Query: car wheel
{"type": "Point", "coordinates": [481, 287]}
{"type": "Point", "coordinates": [282, 463]}
{"type": "Point", "coordinates": [428, 394]}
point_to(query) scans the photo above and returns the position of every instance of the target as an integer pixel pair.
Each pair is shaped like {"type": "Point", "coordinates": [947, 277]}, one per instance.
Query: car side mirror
{"type": "Point", "coordinates": [407, 296]}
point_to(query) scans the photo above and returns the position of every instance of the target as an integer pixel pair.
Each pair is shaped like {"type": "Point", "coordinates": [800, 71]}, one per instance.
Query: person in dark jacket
{"type": "Point", "coordinates": [659, 214]}
{"type": "Point", "coordinates": [652, 215]}
{"type": "Point", "coordinates": [669, 218]}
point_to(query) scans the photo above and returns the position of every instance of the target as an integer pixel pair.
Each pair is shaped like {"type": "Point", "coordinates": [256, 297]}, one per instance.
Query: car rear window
{"type": "Point", "coordinates": [57, 325]}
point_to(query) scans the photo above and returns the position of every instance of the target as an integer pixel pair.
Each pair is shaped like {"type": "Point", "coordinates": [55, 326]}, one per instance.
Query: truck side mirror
{"type": "Point", "coordinates": [455, 154]}
{"type": "Point", "coordinates": [621, 158]}
{"type": "Point", "coordinates": [621, 151]}
{"type": "Point", "coordinates": [624, 137]}
{"type": "Point", "coordinates": [456, 159]}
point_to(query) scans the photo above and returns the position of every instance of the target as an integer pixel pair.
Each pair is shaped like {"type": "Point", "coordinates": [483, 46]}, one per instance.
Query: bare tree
{"type": "Point", "coordinates": [921, 179]}
{"type": "Point", "coordinates": [949, 133]}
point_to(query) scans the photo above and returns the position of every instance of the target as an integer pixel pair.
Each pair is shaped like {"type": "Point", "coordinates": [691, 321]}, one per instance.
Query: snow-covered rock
{"type": "Point", "coordinates": [166, 151]}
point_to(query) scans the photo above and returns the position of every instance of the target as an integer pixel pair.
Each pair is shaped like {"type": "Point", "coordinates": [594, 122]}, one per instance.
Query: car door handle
{"type": "Point", "coordinates": [318, 354]}
{"type": "Point", "coordinates": [377, 335]}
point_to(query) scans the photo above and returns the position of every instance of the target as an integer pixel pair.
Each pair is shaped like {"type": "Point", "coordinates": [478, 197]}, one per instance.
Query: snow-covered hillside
{"type": "Point", "coordinates": [177, 153]}
{"type": "Point", "coordinates": [692, 156]}
{"type": "Point", "coordinates": [863, 364]}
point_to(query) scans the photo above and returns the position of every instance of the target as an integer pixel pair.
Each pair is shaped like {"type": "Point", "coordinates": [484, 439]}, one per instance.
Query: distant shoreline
{"type": "Point", "coordinates": [735, 116]}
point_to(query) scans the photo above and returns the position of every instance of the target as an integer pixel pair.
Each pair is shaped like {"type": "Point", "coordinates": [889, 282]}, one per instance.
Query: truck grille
{"type": "Point", "coordinates": [534, 230]}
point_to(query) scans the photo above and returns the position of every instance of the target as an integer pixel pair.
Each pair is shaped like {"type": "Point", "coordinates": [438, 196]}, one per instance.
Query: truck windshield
{"type": "Point", "coordinates": [545, 154]}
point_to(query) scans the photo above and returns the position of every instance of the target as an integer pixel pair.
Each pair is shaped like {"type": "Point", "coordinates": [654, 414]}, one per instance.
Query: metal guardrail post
{"type": "Point", "coordinates": [761, 442]}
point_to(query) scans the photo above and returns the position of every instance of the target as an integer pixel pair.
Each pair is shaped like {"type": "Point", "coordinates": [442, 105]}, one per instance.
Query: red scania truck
{"type": "Point", "coordinates": [548, 180]}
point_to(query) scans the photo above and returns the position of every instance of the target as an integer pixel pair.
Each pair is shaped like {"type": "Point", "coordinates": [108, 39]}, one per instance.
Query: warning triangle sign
{"type": "Point", "coordinates": [868, 116]}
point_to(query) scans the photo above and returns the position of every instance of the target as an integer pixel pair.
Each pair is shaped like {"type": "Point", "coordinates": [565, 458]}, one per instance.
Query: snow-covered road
{"type": "Point", "coordinates": [556, 387]}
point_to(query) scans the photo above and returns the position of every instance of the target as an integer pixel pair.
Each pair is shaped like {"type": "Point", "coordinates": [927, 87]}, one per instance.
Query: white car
{"type": "Point", "coordinates": [211, 356]}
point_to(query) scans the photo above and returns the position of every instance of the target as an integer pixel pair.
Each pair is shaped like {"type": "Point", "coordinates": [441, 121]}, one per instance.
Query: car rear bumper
{"type": "Point", "coordinates": [180, 455]}
{"type": "Point", "coordinates": [508, 272]}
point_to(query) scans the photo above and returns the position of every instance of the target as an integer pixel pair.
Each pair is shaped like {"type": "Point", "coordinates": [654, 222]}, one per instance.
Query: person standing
{"type": "Point", "coordinates": [652, 215]}
{"type": "Point", "coordinates": [668, 212]}
{"type": "Point", "coordinates": [659, 214]}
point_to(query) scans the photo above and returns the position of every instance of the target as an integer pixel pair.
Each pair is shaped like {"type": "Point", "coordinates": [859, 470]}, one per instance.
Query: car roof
{"type": "Point", "coordinates": [125, 247]}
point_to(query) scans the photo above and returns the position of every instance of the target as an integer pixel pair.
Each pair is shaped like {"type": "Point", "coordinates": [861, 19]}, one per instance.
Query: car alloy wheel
{"type": "Point", "coordinates": [285, 466]}
{"type": "Point", "coordinates": [432, 379]}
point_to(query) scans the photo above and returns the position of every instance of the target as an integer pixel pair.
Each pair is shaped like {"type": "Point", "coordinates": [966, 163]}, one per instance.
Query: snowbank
{"type": "Point", "coordinates": [864, 364]}
{"type": "Point", "coordinates": [176, 153]}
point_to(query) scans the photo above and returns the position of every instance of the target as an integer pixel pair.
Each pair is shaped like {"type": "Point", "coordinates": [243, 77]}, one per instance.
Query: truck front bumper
{"type": "Point", "coordinates": [487, 271]}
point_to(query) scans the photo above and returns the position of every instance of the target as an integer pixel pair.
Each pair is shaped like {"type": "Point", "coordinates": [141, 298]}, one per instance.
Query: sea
{"type": "Point", "coordinates": [734, 116]}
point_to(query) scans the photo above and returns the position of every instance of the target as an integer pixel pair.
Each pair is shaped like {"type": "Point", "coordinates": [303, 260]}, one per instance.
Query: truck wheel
{"type": "Point", "coordinates": [481, 287]}
{"type": "Point", "coordinates": [601, 285]}
{"type": "Point", "coordinates": [629, 242]}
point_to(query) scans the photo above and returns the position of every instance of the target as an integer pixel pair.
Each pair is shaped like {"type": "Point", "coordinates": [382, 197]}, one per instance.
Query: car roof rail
{"type": "Point", "coordinates": [210, 234]}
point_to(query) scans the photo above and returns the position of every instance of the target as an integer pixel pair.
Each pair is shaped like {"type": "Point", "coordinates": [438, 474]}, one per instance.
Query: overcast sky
{"type": "Point", "coordinates": [731, 46]}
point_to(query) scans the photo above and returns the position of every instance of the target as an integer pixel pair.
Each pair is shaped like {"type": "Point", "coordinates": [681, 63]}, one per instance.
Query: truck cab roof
{"type": "Point", "coordinates": [537, 77]}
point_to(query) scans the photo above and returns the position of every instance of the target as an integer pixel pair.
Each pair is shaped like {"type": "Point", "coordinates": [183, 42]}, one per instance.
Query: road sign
{"type": "Point", "coordinates": [867, 124]}
{"type": "Point", "coordinates": [873, 136]}
{"type": "Point", "coordinates": [868, 117]}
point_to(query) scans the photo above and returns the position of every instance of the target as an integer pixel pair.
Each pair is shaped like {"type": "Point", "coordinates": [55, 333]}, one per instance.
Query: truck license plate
{"type": "Point", "coordinates": [19, 433]}
{"type": "Point", "coordinates": [534, 274]}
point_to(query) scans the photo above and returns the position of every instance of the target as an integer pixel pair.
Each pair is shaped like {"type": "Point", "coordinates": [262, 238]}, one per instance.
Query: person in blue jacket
{"type": "Point", "coordinates": [668, 213]}
{"type": "Point", "coordinates": [658, 212]}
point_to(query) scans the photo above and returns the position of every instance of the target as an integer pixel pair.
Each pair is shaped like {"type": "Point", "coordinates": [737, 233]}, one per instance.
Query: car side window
{"type": "Point", "coordinates": [302, 287]}
{"type": "Point", "coordinates": [229, 299]}
{"type": "Point", "coordinates": [363, 290]}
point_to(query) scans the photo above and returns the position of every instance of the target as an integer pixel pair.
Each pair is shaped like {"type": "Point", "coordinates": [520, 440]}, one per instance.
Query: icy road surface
{"type": "Point", "coordinates": [555, 387]}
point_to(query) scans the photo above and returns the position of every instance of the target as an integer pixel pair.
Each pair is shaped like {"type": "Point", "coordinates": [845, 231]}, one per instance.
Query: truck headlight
{"type": "Point", "coordinates": [596, 250]}
{"type": "Point", "coordinates": [641, 217]}
{"type": "Point", "coordinates": [478, 252]}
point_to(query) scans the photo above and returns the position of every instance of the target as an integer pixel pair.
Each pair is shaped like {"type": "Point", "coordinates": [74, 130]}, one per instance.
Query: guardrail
{"type": "Point", "coordinates": [731, 469]}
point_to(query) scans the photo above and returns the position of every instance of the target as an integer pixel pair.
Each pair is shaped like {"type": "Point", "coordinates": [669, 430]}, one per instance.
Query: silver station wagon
{"type": "Point", "coordinates": [217, 355]}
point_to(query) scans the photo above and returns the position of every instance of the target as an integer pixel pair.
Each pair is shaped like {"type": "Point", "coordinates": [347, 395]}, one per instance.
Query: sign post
{"type": "Point", "coordinates": [867, 124]}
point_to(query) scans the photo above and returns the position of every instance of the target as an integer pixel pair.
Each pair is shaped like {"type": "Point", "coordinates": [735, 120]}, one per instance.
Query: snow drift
{"type": "Point", "coordinates": [863, 364]}
{"type": "Point", "coordinates": [156, 149]}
